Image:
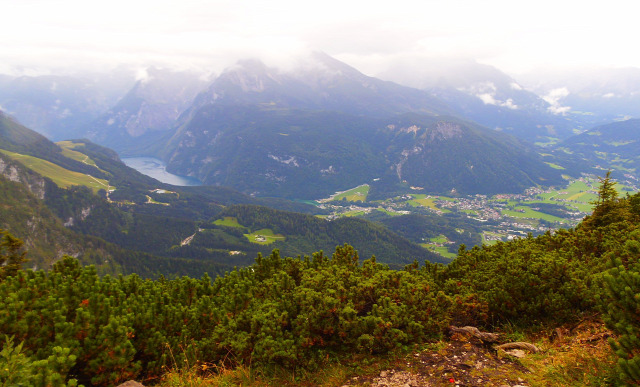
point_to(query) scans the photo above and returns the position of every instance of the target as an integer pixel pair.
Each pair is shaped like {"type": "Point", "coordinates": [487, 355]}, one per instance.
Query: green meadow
{"type": "Point", "coordinates": [421, 200]}
{"type": "Point", "coordinates": [353, 195]}
{"type": "Point", "coordinates": [264, 236]}
{"type": "Point", "coordinates": [435, 245]}
{"type": "Point", "coordinates": [228, 221]}
{"type": "Point", "coordinates": [62, 177]}
{"type": "Point", "coordinates": [554, 166]}
{"type": "Point", "coordinates": [391, 213]}
{"type": "Point", "coordinates": [532, 214]}
{"type": "Point", "coordinates": [353, 213]}
{"type": "Point", "coordinates": [69, 152]}
{"type": "Point", "coordinates": [440, 250]}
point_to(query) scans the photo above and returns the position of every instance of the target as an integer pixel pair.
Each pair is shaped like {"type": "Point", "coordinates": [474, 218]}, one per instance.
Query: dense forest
{"type": "Point", "coordinates": [70, 325]}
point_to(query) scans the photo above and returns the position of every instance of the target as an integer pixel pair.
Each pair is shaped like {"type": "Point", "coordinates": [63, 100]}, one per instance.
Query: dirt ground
{"type": "Point", "coordinates": [462, 361]}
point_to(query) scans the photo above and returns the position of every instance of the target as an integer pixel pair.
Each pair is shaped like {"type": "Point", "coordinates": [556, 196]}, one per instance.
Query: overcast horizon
{"type": "Point", "coordinates": [41, 36]}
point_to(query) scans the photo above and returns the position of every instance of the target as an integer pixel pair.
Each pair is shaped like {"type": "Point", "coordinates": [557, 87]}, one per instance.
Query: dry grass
{"type": "Point", "coordinates": [574, 356]}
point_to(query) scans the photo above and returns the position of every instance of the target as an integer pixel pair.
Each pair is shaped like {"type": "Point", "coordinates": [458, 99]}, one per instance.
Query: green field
{"type": "Point", "coordinates": [440, 250]}
{"type": "Point", "coordinates": [264, 236]}
{"type": "Point", "coordinates": [67, 151]}
{"type": "Point", "coordinates": [353, 213]}
{"type": "Point", "coordinates": [391, 213]}
{"type": "Point", "coordinates": [353, 195]}
{"type": "Point", "coordinates": [577, 193]}
{"type": "Point", "coordinates": [439, 239]}
{"type": "Point", "coordinates": [487, 242]}
{"type": "Point", "coordinates": [533, 214]}
{"type": "Point", "coordinates": [421, 200]}
{"type": "Point", "coordinates": [435, 244]}
{"type": "Point", "coordinates": [62, 177]}
{"type": "Point", "coordinates": [554, 166]}
{"type": "Point", "coordinates": [228, 221]}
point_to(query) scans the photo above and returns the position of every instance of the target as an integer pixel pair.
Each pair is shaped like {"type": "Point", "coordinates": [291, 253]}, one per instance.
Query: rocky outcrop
{"type": "Point", "coordinates": [14, 172]}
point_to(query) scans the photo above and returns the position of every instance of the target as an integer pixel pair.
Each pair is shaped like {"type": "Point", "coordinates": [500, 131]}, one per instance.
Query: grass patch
{"type": "Point", "coordinates": [439, 239]}
{"type": "Point", "coordinates": [264, 236]}
{"type": "Point", "coordinates": [62, 177]}
{"type": "Point", "coordinates": [573, 361]}
{"type": "Point", "coordinates": [391, 213]}
{"type": "Point", "coordinates": [554, 166]}
{"type": "Point", "coordinates": [353, 213]}
{"type": "Point", "coordinates": [527, 212]}
{"type": "Point", "coordinates": [359, 193]}
{"type": "Point", "coordinates": [69, 152]}
{"type": "Point", "coordinates": [619, 143]}
{"type": "Point", "coordinates": [421, 200]}
{"type": "Point", "coordinates": [440, 250]}
{"type": "Point", "coordinates": [485, 238]}
{"type": "Point", "coordinates": [435, 245]}
{"type": "Point", "coordinates": [228, 221]}
{"type": "Point", "coordinates": [583, 207]}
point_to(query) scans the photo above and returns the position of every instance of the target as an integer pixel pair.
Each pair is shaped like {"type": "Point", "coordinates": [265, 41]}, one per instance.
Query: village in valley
{"type": "Point", "coordinates": [501, 217]}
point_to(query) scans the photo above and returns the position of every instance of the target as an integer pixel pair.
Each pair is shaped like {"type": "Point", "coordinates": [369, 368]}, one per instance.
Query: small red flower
{"type": "Point", "coordinates": [452, 380]}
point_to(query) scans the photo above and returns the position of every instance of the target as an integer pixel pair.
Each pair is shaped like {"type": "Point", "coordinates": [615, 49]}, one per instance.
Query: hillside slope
{"type": "Point", "coordinates": [306, 154]}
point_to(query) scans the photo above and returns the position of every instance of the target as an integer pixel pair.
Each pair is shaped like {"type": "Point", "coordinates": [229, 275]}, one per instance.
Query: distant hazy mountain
{"type": "Point", "coordinates": [485, 95]}
{"type": "Point", "coordinates": [611, 146]}
{"type": "Point", "coordinates": [59, 107]}
{"type": "Point", "coordinates": [303, 154]}
{"type": "Point", "coordinates": [153, 104]}
{"type": "Point", "coordinates": [324, 126]}
{"type": "Point", "coordinates": [319, 82]}
{"type": "Point", "coordinates": [590, 97]}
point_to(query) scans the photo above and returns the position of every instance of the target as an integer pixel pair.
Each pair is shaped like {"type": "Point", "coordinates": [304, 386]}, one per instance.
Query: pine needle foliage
{"type": "Point", "coordinates": [304, 313]}
{"type": "Point", "coordinates": [288, 312]}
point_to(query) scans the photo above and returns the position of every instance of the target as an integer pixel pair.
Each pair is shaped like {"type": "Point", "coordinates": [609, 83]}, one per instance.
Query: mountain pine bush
{"type": "Point", "coordinates": [70, 324]}
{"type": "Point", "coordinates": [622, 309]}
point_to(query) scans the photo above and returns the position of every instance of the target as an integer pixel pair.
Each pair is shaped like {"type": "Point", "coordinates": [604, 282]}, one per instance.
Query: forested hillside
{"type": "Point", "coordinates": [76, 198]}
{"type": "Point", "coordinates": [303, 154]}
{"type": "Point", "coordinates": [304, 313]}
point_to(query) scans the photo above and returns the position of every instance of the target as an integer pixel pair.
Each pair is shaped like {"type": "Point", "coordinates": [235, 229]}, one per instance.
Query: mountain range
{"type": "Point", "coordinates": [322, 126]}
{"type": "Point", "coordinates": [615, 145]}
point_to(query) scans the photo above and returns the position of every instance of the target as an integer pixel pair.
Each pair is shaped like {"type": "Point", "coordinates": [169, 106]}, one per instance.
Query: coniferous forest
{"type": "Point", "coordinates": [71, 326]}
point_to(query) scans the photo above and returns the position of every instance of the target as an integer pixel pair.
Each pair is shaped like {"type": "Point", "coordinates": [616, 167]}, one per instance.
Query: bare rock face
{"type": "Point", "coordinates": [12, 172]}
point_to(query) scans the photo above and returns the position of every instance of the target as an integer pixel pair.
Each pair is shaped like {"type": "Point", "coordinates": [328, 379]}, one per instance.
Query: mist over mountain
{"type": "Point", "coordinates": [318, 82]}
{"type": "Point", "coordinates": [589, 96]}
{"type": "Point", "coordinates": [325, 127]}
{"type": "Point", "coordinates": [486, 95]}
{"type": "Point", "coordinates": [61, 106]}
{"type": "Point", "coordinates": [152, 104]}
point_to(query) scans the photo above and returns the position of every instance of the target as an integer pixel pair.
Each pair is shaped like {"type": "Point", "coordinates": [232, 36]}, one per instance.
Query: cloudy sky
{"type": "Point", "coordinates": [515, 36]}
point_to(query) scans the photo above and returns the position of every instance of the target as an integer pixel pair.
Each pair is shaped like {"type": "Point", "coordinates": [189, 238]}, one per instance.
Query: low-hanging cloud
{"type": "Point", "coordinates": [554, 97]}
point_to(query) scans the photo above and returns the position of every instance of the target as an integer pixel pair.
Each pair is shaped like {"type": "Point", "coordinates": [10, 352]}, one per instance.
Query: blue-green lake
{"type": "Point", "coordinates": [157, 169]}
